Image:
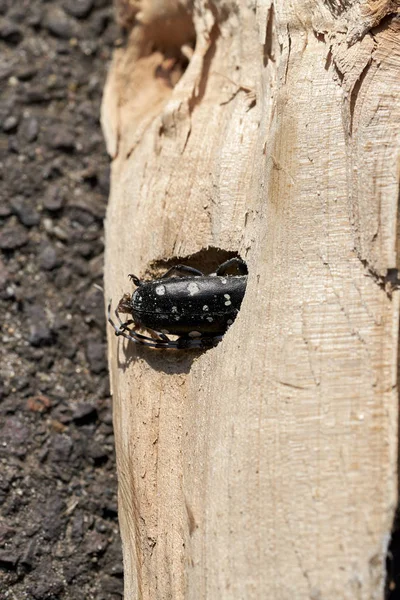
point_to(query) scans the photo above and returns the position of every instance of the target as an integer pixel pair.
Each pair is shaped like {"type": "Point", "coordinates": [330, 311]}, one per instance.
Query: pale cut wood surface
{"type": "Point", "coordinates": [266, 467]}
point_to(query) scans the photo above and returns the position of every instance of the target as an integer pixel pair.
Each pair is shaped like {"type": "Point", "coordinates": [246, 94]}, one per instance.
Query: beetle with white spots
{"type": "Point", "coordinates": [183, 302]}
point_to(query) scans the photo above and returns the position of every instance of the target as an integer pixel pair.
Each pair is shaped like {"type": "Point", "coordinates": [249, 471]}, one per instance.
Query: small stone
{"type": "Point", "coordinates": [15, 436]}
{"type": "Point", "coordinates": [100, 21]}
{"type": "Point", "coordinates": [4, 274]}
{"type": "Point", "coordinates": [48, 258]}
{"type": "Point", "coordinates": [29, 129]}
{"type": "Point", "coordinates": [8, 560]}
{"type": "Point", "coordinates": [35, 18]}
{"type": "Point", "coordinates": [98, 454]}
{"type": "Point", "coordinates": [26, 73]}
{"type": "Point", "coordinates": [52, 522]}
{"type": "Point", "coordinates": [26, 213]}
{"type": "Point", "coordinates": [61, 448]}
{"type": "Point", "coordinates": [13, 145]}
{"type": "Point", "coordinates": [13, 237]}
{"type": "Point", "coordinates": [16, 13]}
{"type": "Point", "coordinates": [59, 137]}
{"type": "Point", "coordinates": [28, 557]}
{"type": "Point", "coordinates": [61, 25]}
{"type": "Point", "coordinates": [78, 8]}
{"type": "Point", "coordinates": [96, 356]}
{"type": "Point", "coordinates": [54, 199]}
{"type": "Point", "coordinates": [93, 306]}
{"type": "Point", "coordinates": [6, 532]}
{"type": "Point", "coordinates": [10, 32]}
{"type": "Point", "coordinates": [85, 413]}
{"type": "Point", "coordinates": [38, 403]}
{"type": "Point", "coordinates": [47, 586]}
{"type": "Point", "coordinates": [39, 331]}
{"type": "Point", "coordinates": [5, 210]}
{"type": "Point", "coordinates": [36, 95]}
{"type": "Point", "coordinates": [78, 526]}
{"type": "Point", "coordinates": [96, 543]}
{"type": "Point", "coordinates": [10, 124]}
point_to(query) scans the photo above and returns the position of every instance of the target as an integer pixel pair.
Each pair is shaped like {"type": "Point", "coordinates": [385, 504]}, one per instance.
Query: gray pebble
{"type": "Point", "coordinates": [78, 8]}
{"type": "Point", "coordinates": [96, 356]}
{"type": "Point", "coordinates": [46, 586]}
{"type": "Point", "coordinates": [10, 124]}
{"type": "Point", "coordinates": [5, 210]}
{"type": "Point", "coordinates": [60, 137]}
{"type": "Point", "coordinates": [4, 274]}
{"type": "Point", "coordinates": [13, 237]}
{"type": "Point", "coordinates": [61, 25]}
{"type": "Point", "coordinates": [29, 129]}
{"type": "Point", "coordinates": [54, 514]}
{"type": "Point", "coordinates": [26, 73]}
{"type": "Point", "coordinates": [26, 213]}
{"type": "Point", "coordinates": [39, 331]}
{"type": "Point", "coordinates": [84, 413]}
{"type": "Point", "coordinates": [48, 258]}
{"type": "Point", "coordinates": [54, 199]}
{"type": "Point", "coordinates": [10, 32]}
{"type": "Point", "coordinates": [8, 559]}
{"type": "Point", "coordinates": [14, 435]}
{"type": "Point", "coordinates": [96, 543]}
{"type": "Point", "coordinates": [61, 448]}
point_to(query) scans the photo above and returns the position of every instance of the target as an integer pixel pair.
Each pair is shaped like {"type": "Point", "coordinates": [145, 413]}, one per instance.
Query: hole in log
{"type": "Point", "coordinates": [183, 305]}
{"type": "Point", "coordinates": [163, 30]}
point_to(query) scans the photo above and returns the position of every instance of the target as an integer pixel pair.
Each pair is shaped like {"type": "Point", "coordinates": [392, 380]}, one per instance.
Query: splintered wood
{"type": "Point", "coordinates": [264, 468]}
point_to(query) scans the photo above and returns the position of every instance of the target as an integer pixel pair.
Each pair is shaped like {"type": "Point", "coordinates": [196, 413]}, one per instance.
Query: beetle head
{"type": "Point", "coordinates": [125, 305]}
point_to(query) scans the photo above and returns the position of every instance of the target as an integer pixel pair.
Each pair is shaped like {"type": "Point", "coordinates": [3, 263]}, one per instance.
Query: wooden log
{"type": "Point", "coordinates": [265, 467]}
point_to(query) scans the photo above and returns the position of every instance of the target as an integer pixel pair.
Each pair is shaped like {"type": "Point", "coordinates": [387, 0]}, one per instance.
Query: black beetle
{"type": "Point", "coordinates": [196, 307]}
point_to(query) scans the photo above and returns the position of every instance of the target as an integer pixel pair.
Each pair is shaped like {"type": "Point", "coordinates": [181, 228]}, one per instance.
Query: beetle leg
{"type": "Point", "coordinates": [162, 340]}
{"type": "Point", "coordinates": [125, 325]}
{"type": "Point", "coordinates": [137, 338]}
{"type": "Point", "coordinates": [181, 269]}
{"type": "Point", "coordinates": [122, 326]}
{"type": "Point", "coordinates": [160, 336]}
{"type": "Point", "coordinates": [238, 262]}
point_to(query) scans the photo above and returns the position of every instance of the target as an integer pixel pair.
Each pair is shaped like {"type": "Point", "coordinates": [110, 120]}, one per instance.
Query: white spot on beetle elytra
{"type": "Point", "coordinates": [224, 281]}
{"type": "Point", "coordinates": [205, 308]}
{"type": "Point", "coordinates": [195, 334]}
{"type": "Point", "coordinates": [193, 289]}
{"type": "Point", "coordinates": [227, 296]}
{"type": "Point", "coordinates": [174, 309]}
{"type": "Point", "coordinates": [160, 290]}
{"type": "Point", "coordinates": [210, 319]}
{"type": "Point", "coordinates": [228, 303]}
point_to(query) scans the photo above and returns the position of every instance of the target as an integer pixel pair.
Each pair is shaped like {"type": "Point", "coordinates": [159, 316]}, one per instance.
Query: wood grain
{"type": "Point", "coordinates": [267, 466]}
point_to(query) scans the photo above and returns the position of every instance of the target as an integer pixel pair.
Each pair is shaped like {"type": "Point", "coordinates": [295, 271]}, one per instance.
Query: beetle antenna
{"type": "Point", "coordinates": [135, 279]}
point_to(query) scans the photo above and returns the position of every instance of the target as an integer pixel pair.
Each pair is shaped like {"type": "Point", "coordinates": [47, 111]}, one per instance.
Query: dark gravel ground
{"type": "Point", "coordinates": [58, 505]}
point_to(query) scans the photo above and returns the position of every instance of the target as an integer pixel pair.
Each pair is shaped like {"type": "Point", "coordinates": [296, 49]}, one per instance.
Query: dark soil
{"type": "Point", "coordinates": [58, 503]}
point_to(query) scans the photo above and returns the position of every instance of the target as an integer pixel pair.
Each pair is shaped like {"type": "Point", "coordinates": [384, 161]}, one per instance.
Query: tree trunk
{"type": "Point", "coordinates": [266, 467]}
